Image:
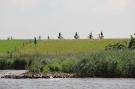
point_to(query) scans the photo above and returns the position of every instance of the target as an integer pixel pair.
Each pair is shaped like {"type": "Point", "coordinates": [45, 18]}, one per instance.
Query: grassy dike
{"type": "Point", "coordinates": [55, 46]}
{"type": "Point", "coordinates": [94, 62]}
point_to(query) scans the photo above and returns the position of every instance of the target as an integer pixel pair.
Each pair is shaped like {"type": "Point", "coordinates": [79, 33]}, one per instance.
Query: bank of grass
{"type": "Point", "coordinates": [12, 45]}
{"type": "Point", "coordinates": [68, 46]}
{"type": "Point", "coordinates": [87, 58]}
{"type": "Point", "coordinates": [115, 63]}
{"type": "Point", "coordinates": [54, 46]}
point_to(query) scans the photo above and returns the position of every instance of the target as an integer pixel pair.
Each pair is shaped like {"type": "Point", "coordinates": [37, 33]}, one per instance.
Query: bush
{"type": "Point", "coordinates": [116, 46]}
{"type": "Point", "coordinates": [132, 43]}
{"type": "Point", "coordinates": [54, 65]}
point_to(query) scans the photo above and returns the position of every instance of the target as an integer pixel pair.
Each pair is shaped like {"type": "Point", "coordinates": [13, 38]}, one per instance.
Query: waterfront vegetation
{"type": "Point", "coordinates": [87, 58]}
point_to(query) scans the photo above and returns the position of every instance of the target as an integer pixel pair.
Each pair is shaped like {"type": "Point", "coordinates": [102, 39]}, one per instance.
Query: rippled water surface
{"type": "Point", "coordinates": [69, 83]}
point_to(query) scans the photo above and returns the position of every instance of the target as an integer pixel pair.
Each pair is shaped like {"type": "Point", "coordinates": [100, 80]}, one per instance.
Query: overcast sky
{"type": "Point", "coordinates": [29, 18]}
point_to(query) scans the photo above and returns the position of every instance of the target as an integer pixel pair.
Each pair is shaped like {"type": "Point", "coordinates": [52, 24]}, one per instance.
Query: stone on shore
{"type": "Point", "coordinates": [40, 75]}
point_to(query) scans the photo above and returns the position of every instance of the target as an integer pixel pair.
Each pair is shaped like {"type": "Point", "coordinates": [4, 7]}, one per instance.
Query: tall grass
{"type": "Point", "coordinates": [114, 63]}
{"type": "Point", "coordinates": [108, 64]}
{"type": "Point", "coordinates": [70, 56]}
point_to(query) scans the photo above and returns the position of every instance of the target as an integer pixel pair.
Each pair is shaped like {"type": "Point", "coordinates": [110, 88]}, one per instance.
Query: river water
{"type": "Point", "coordinates": [68, 83]}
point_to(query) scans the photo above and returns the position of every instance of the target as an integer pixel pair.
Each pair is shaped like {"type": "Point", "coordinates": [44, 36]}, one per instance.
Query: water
{"type": "Point", "coordinates": [69, 83]}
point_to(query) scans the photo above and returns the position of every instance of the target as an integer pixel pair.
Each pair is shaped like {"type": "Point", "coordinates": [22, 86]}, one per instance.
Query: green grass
{"type": "Point", "coordinates": [84, 57]}
{"type": "Point", "coordinates": [56, 46]}
{"type": "Point", "coordinates": [12, 45]}
{"type": "Point", "coordinates": [114, 63]}
{"type": "Point", "coordinates": [68, 46]}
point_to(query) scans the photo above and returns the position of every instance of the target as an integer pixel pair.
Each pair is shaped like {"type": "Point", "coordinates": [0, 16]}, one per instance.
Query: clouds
{"type": "Point", "coordinates": [27, 18]}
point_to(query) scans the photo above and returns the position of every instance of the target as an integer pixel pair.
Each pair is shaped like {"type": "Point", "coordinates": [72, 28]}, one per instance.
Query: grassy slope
{"type": "Point", "coordinates": [56, 46]}
{"type": "Point", "coordinates": [112, 63]}
{"type": "Point", "coordinates": [11, 45]}
{"type": "Point", "coordinates": [68, 46]}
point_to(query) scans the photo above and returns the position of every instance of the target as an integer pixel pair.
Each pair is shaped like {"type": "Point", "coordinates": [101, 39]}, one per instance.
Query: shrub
{"type": "Point", "coordinates": [132, 43]}
{"type": "Point", "coordinates": [55, 65]}
{"type": "Point", "coordinates": [115, 46]}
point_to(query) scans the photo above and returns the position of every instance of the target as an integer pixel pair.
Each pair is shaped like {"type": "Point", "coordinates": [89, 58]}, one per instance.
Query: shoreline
{"type": "Point", "coordinates": [50, 75]}
{"type": "Point", "coordinates": [41, 75]}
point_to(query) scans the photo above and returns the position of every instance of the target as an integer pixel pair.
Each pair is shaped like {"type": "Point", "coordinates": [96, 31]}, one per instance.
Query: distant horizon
{"type": "Point", "coordinates": [66, 36]}
{"type": "Point", "coordinates": [56, 37]}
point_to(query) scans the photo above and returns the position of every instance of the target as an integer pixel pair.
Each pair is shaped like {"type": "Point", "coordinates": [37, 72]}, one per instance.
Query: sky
{"type": "Point", "coordinates": [29, 18]}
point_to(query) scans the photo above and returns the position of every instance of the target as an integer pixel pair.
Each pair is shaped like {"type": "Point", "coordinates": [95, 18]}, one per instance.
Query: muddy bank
{"type": "Point", "coordinates": [41, 75]}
